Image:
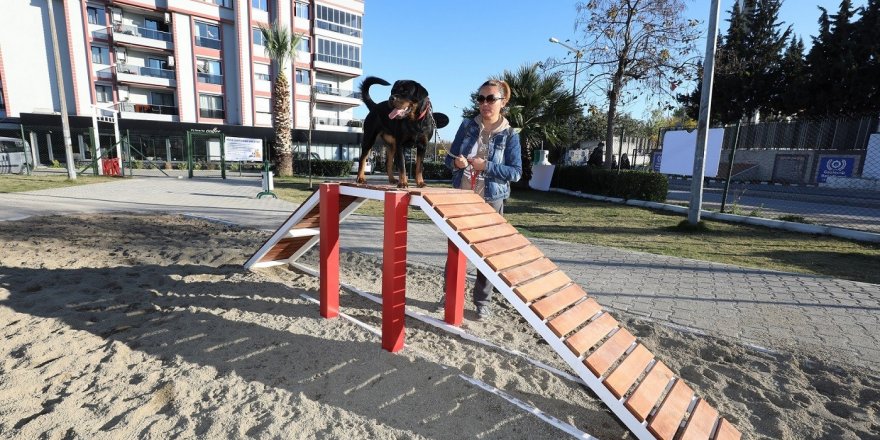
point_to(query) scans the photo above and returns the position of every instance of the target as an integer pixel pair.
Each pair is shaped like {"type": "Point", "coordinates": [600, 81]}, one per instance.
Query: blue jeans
{"type": "Point", "coordinates": [483, 288]}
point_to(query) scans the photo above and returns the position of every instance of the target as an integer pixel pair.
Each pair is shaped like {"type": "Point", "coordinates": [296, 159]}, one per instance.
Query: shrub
{"type": "Point", "coordinates": [137, 164]}
{"type": "Point", "coordinates": [326, 168]}
{"type": "Point", "coordinates": [436, 171]}
{"type": "Point", "coordinates": [639, 185]}
{"type": "Point", "coordinates": [55, 164]}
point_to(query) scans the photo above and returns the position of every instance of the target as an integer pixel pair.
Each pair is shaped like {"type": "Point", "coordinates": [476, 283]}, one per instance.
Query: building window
{"type": "Point", "coordinates": [211, 106]}
{"type": "Point", "coordinates": [104, 93]}
{"type": "Point", "coordinates": [207, 35]}
{"type": "Point", "coordinates": [100, 55]}
{"type": "Point", "coordinates": [96, 15]}
{"type": "Point", "coordinates": [163, 99]}
{"type": "Point", "coordinates": [224, 3]}
{"type": "Point", "coordinates": [302, 10]}
{"type": "Point", "coordinates": [261, 72]}
{"type": "Point", "coordinates": [338, 21]}
{"type": "Point", "coordinates": [258, 37]}
{"type": "Point", "coordinates": [304, 46]}
{"type": "Point", "coordinates": [303, 77]}
{"type": "Point", "coordinates": [209, 71]}
{"type": "Point", "coordinates": [260, 4]}
{"type": "Point", "coordinates": [339, 53]}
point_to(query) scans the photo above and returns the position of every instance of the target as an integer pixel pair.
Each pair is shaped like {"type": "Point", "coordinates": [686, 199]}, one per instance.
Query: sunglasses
{"type": "Point", "coordinates": [490, 99]}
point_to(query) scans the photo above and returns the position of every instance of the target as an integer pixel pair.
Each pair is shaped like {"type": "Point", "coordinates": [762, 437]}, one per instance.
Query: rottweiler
{"type": "Point", "coordinates": [405, 120]}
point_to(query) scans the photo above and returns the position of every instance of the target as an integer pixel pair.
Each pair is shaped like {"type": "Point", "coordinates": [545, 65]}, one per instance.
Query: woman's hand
{"type": "Point", "coordinates": [461, 162]}
{"type": "Point", "coordinates": [479, 164]}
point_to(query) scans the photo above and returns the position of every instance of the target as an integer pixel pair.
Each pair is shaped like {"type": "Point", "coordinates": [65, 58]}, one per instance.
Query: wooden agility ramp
{"type": "Point", "coordinates": [640, 389]}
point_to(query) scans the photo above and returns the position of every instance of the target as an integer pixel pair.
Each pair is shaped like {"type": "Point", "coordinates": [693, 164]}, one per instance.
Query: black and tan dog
{"type": "Point", "coordinates": [405, 120]}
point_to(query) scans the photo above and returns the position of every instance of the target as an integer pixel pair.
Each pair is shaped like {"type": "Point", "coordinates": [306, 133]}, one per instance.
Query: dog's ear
{"type": "Point", "coordinates": [420, 93]}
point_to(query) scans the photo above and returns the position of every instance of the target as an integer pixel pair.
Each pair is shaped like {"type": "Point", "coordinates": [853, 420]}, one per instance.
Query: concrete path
{"type": "Point", "coordinates": [838, 319]}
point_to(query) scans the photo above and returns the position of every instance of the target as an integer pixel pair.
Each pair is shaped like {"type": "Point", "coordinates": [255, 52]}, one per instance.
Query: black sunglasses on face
{"type": "Point", "coordinates": [490, 99]}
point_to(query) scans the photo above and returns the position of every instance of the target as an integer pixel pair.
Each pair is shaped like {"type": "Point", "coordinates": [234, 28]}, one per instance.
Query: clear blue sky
{"type": "Point", "coordinates": [452, 46]}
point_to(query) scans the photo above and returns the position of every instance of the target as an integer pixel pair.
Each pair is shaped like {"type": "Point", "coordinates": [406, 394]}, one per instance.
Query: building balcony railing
{"type": "Point", "coordinates": [339, 122]}
{"type": "Point", "coordinates": [210, 78]}
{"type": "Point", "coordinates": [208, 42]}
{"type": "Point", "coordinates": [137, 31]}
{"type": "Point", "coordinates": [324, 90]}
{"type": "Point", "coordinates": [145, 71]}
{"type": "Point", "coordinates": [338, 60]}
{"type": "Point", "coordinates": [262, 77]}
{"type": "Point", "coordinates": [212, 113]}
{"type": "Point", "coordinates": [148, 108]}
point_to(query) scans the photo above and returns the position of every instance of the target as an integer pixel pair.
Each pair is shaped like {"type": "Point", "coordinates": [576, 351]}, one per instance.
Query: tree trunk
{"type": "Point", "coordinates": [526, 153]}
{"type": "Point", "coordinates": [281, 114]}
{"type": "Point", "coordinates": [609, 129]}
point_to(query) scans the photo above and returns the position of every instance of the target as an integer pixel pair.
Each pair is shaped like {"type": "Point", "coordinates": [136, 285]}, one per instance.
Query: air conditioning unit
{"type": "Point", "coordinates": [167, 17]}
{"type": "Point", "coordinates": [170, 60]}
{"type": "Point", "coordinates": [120, 55]}
{"type": "Point", "coordinates": [116, 15]}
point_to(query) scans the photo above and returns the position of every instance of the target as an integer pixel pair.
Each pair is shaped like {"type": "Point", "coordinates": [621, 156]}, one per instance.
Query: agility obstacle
{"type": "Point", "coordinates": [639, 388]}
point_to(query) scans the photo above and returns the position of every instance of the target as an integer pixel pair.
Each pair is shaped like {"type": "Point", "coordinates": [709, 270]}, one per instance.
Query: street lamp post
{"type": "Point", "coordinates": [577, 56]}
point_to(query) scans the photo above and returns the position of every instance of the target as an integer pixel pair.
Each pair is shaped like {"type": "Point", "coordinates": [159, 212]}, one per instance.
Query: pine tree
{"type": "Point", "coordinates": [792, 100]}
{"type": "Point", "coordinates": [764, 44]}
{"type": "Point", "coordinates": [867, 37]}
{"type": "Point", "coordinates": [832, 64]}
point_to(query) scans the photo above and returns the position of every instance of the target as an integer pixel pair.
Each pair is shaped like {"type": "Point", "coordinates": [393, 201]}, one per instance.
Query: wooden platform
{"type": "Point", "coordinates": [636, 385]}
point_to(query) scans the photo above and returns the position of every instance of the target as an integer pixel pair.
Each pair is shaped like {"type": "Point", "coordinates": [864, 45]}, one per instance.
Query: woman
{"type": "Point", "coordinates": [485, 157]}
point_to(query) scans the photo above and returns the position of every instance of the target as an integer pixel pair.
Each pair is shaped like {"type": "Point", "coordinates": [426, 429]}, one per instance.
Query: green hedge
{"type": "Point", "coordinates": [436, 171]}
{"type": "Point", "coordinates": [625, 184]}
{"type": "Point", "coordinates": [326, 168]}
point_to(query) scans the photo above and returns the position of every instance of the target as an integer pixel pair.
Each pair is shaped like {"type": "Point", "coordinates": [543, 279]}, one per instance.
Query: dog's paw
{"type": "Point", "coordinates": [403, 185]}
{"type": "Point", "coordinates": [392, 181]}
{"type": "Point", "coordinates": [361, 180]}
{"type": "Point", "coordinates": [421, 184]}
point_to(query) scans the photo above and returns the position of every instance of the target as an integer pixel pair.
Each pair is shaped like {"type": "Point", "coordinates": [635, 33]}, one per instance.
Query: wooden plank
{"type": "Point", "coordinates": [649, 391]}
{"type": "Point", "coordinates": [521, 274]}
{"type": "Point", "coordinates": [609, 352]}
{"type": "Point", "coordinates": [726, 431]}
{"type": "Point", "coordinates": [435, 190]}
{"type": "Point", "coordinates": [591, 334]}
{"type": "Point", "coordinates": [558, 301]}
{"type": "Point", "coordinates": [284, 248]}
{"type": "Point", "coordinates": [626, 374]}
{"type": "Point", "coordinates": [451, 211]}
{"type": "Point", "coordinates": [701, 422]}
{"type": "Point", "coordinates": [665, 423]}
{"type": "Point", "coordinates": [513, 257]}
{"type": "Point", "coordinates": [476, 221]}
{"type": "Point", "coordinates": [489, 232]}
{"type": "Point", "coordinates": [499, 245]}
{"type": "Point", "coordinates": [574, 317]}
{"type": "Point", "coordinates": [454, 199]}
{"type": "Point", "coordinates": [541, 286]}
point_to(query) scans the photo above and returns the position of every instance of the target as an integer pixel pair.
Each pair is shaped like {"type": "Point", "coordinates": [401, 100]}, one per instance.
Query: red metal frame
{"type": "Point", "coordinates": [394, 270]}
{"type": "Point", "coordinates": [329, 249]}
{"type": "Point", "coordinates": [456, 265]}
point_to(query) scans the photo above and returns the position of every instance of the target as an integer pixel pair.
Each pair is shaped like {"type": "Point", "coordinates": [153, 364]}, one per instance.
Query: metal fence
{"type": "Point", "coordinates": [818, 171]}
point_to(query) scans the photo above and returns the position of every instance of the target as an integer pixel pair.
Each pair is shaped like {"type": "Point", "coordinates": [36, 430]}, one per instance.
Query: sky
{"type": "Point", "coordinates": [453, 46]}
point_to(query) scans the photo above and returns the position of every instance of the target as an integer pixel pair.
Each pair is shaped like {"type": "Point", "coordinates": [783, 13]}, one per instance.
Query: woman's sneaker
{"type": "Point", "coordinates": [483, 312]}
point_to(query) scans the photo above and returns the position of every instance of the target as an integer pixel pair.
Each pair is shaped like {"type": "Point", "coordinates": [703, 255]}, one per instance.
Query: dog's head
{"type": "Point", "coordinates": [407, 98]}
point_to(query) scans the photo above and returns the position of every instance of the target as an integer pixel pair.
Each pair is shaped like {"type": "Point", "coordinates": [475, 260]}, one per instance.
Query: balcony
{"type": "Point", "coordinates": [343, 125]}
{"type": "Point", "coordinates": [337, 96]}
{"type": "Point", "coordinates": [124, 33]}
{"type": "Point", "coordinates": [208, 78]}
{"type": "Point", "coordinates": [151, 112]}
{"type": "Point", "coordinates": [339, 65]}
{"type": "Point", "coordinates": [212, 113]}
{"type": "Point", "coordinates": [211, 43]}
{"type": "Point", "coordinates": [145, 75]}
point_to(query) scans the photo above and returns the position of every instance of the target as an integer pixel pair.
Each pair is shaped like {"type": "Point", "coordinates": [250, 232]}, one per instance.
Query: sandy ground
{"type": "Point", "coordinates": [144, 326]}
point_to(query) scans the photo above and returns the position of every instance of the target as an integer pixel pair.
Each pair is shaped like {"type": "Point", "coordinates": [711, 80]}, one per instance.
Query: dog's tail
{"type": "Point", "coordinates": [365, 89]}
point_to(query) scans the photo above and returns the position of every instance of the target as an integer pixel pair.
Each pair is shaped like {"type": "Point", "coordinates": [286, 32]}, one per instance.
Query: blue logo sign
{"type": "Point", "coordinates": [655, 161]}
{"type": "Point", "coordinates": [835, 166]}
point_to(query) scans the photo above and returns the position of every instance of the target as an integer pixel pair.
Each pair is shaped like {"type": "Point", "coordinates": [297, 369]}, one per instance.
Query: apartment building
{"type": "Point", "coordinates": [184, 64]}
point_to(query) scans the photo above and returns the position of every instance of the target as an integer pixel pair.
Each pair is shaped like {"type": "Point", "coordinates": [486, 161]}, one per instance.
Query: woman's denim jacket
{"type": "Point", "coordinates": [504, 164]}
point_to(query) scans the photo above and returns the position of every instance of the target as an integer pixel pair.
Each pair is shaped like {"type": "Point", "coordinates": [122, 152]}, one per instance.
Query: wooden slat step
{"type": "Point", "coordinates": [574, 317]}
{"type": "Point", "coordinates": [665, 423]}
{"type": "Point", "coordinates": [306, 223]}
{"type": "Point", "coordinates": [591, 334]}
{"type": "Point", "coordinates": [726, 431]}
{"type": "Point", "coordinates": [609, 352]}
{"type": "Point", "coordinates": [513, 257]}
{"type": "Point", "coordinates": [521, 274]}
{"type": "Point", "coordinates": [451, 211]}
{"type": "Point", "coordinates": [476, 221]}
{"type": "Point", "coordinates": [499, 245]}
{"type": "Point", "coordinates": [489, 232]}
{"type": "Point", "coordinates": [284, 248]}
{"type": "Point", "coordinates": [649, 391]}
{"type": "Point", "coordinates": [541, 286]}
{"type": "Point", "coordinates": [625, 375]}
{"type": "Point", "coordinates": [454, 198]}
{"type": "Point", "coordinates": [558, 301]}
{"type": "Point", "coordinates": [701, 422]}
{"type": "Point", "coordinates": [435, 190]}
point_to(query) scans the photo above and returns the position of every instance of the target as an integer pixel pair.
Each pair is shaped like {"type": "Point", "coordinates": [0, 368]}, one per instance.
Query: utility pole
{"type": "Point", "coordinates": [703, 123]}
{"type": "Point", "coordinates": [62, 96]}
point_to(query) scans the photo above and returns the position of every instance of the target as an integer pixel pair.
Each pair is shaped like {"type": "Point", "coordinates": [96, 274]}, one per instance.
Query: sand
{"type": "Point", "coordinates": [147, 326]}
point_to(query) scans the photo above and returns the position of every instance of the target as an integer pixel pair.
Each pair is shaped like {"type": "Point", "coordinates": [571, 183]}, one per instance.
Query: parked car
{"type": "Point", "coordinates": [12, 155]}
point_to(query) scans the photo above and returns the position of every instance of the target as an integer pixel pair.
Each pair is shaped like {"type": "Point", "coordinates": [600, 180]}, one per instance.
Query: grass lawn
{"type": "Point", "coordinates": [561, 217]}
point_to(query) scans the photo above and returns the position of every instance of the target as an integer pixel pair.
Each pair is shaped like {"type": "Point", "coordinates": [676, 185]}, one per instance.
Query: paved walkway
{"type": "Point", "coordinates": [832, 317]}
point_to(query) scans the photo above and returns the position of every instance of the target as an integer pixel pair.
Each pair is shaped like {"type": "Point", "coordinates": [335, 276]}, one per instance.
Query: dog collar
{"type": "Point", "coordinates": [427, 108]}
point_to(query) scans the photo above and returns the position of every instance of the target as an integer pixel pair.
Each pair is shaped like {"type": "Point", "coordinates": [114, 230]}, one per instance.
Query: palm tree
{"type": "Point", "coordinates": [280, 46]}
{"type": "Point", "coordinates": [540, 109]}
